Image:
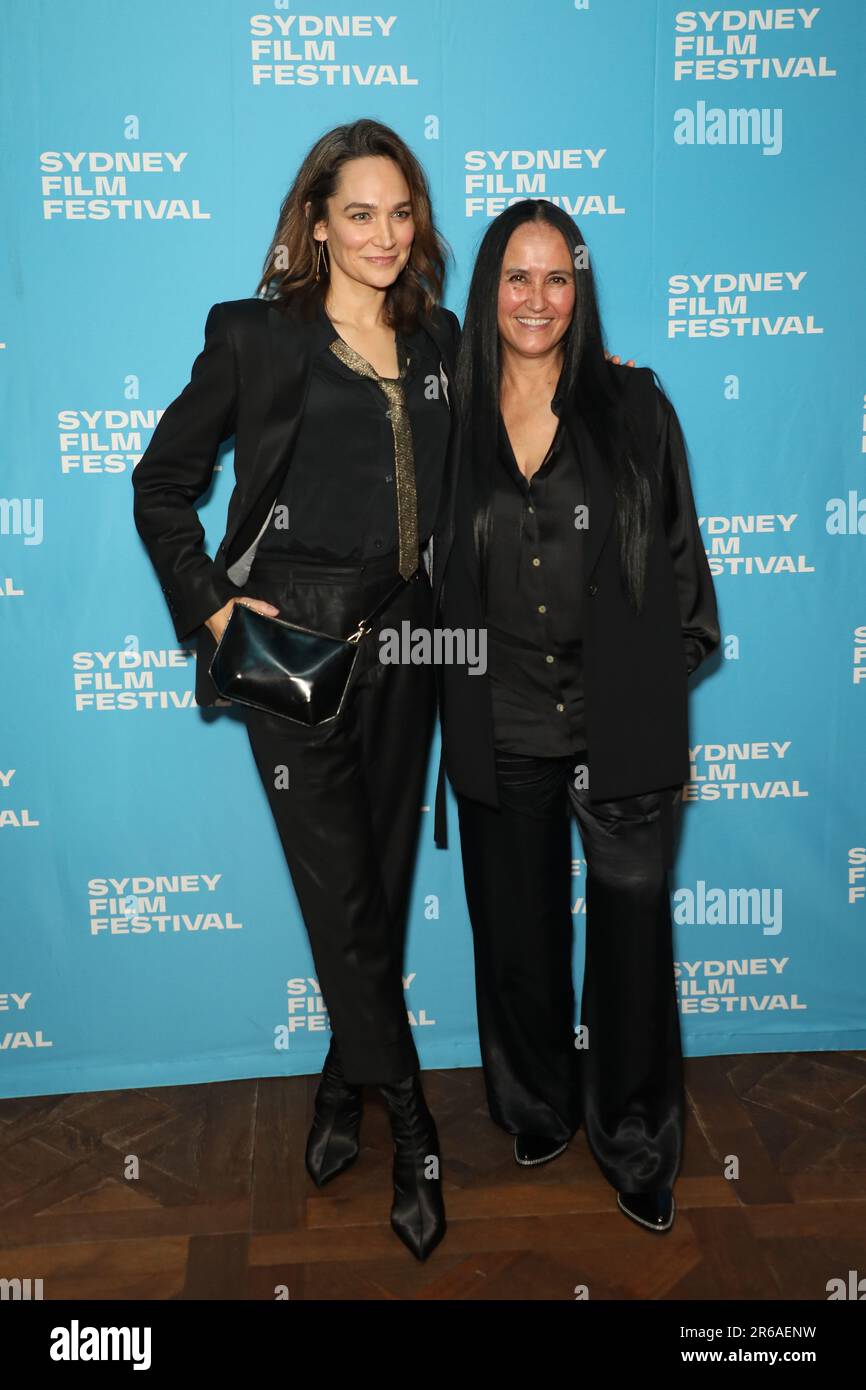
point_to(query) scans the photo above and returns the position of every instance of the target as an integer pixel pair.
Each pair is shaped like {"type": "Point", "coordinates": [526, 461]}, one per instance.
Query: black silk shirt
{"type": "Point", "coordinates": [534, 611]}
{"type": "Point", "coordinates": [339, 495]}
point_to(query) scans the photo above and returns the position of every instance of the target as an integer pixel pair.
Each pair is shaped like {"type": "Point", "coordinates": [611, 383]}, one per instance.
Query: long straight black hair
{"type": "Point", "coordinates": [586, 379]}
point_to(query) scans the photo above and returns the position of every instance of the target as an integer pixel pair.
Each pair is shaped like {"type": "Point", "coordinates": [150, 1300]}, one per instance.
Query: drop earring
{"type": "Point", "coordinates": [319, 261]}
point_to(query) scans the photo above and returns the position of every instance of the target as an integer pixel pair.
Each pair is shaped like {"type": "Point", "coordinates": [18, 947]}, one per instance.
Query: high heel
{"type": "Point", "coordinates": [418, 1212]}
{"type": "Point", "coordinates": [333, 1143]}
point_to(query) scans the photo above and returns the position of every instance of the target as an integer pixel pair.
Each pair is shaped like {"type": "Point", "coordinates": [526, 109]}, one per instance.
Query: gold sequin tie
{"type": "Point", "coordinates": [404, 460]}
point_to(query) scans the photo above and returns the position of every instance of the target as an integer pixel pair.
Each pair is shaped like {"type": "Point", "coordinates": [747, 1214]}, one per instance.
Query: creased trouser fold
{"type": "Point", "coordinates": [625, 1085]}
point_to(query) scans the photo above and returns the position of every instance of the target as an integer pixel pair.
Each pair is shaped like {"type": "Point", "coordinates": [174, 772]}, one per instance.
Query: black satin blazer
{"type": "Point", "coordinates": [635, 669]}
{"type": "Point", "coordinates": [250, 380]}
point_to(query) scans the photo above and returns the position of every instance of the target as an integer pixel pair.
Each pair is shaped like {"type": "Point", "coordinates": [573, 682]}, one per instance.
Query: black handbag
{"type": "Point", "coordinates": [284, 669]}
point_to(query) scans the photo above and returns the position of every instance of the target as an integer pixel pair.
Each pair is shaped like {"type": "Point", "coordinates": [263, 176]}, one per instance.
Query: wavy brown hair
{"type": "Point", "coordinates": [418, 287]}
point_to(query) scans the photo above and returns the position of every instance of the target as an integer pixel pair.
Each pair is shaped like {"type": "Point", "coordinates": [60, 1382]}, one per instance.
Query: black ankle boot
{"type": "Point", "coordinates": [530, 1150]}
{"type": "Point", "coordinates": [652, 1210]}
{"type": "Point", "coordinates": [418, 1213]}
{"type": "Point", "coordinates": [333, 1142]}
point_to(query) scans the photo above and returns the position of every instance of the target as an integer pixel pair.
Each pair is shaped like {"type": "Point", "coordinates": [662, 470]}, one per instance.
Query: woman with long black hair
{"type": "Point", "coordinates": [574, 543]}
{"type": "Point", "coordinates": [334, 382]}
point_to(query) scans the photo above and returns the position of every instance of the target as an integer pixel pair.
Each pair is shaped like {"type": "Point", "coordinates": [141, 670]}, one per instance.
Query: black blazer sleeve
{"type": "Point", "coordinates": [697, 597]}
{"type": "Point", "coordinates": [176, 469]}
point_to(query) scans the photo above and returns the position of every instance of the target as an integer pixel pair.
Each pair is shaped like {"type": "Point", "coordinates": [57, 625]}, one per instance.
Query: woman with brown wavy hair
{"type": "Point", "coordinates": [333, 380]}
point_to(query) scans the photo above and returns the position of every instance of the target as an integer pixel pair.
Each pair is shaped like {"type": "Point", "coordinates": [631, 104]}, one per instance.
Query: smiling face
{"type": "Point", "coordinates": [369, 230]}
{"type": "Point", "coordinates": [536, 289]}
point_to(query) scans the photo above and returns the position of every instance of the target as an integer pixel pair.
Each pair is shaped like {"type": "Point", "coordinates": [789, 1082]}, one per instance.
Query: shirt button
{"type": "Point", "coordinates": [542, 608]}
{"type": "Point", "coordinates": [536, 561]}
{"type": "Point", "coordinates": [532, 511]}
{"type": "Point", "coordinates": [561, 708]}
{"type": "Point", "coordinates": [549, 660]}
{"type": "Point", "coordinates": [389, 477]}
{"type": "Point", "coordinates": [593, 589]}
{"type": "Point", "coordinates": [387, 415]}
{"type": "Point", "coordinates": [378, 545]}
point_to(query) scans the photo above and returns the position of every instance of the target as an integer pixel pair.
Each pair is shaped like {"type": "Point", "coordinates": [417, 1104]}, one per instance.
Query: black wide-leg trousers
{"type": "Point", "coordinates": [346, 799]}
{"type": "Point", "coordinates": [622, 1073]}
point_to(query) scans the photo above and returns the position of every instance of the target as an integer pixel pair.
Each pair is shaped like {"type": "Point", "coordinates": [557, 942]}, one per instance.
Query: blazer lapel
{"type": "Point", "coordinates": [444, 532]}
{"type": "Point", "coordinates": [291, 346]}
{"type": "Point", "coordinates": [599, 493]}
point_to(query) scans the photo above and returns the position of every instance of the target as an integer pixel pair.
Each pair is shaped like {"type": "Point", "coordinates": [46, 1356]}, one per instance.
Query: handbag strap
{"type": "Point", "coordinates": [366, 623]}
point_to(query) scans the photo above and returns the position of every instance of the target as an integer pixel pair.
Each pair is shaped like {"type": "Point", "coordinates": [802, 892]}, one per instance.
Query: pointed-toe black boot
{"type": "Point", "coordinates": [531, 1150]}
{"type": "Point", "coordinates": [418, 1213]}
{"type": "Point", "coordinates": [333, 1142]}
{"type": "Point", "coordinates": [652, 1210]}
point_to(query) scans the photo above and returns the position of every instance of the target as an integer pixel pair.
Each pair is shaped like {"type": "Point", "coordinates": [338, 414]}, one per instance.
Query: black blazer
{"type": "Point", "coordinates": [250, 380]}
{"type": "Point", "coordinates": [635, 668]}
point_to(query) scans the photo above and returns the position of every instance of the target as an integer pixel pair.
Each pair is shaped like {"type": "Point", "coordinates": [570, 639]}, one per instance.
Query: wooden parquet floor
{"type": "Point", "coordinates": [222, 1208]}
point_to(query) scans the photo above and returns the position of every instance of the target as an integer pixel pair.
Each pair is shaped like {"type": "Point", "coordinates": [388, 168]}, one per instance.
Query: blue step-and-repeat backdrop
{"type": "Point", "coordinates": [713, 159]}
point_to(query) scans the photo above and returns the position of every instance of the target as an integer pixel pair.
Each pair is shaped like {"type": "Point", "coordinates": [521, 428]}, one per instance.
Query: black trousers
{"type": "Point", "coordinates": [349, 815]}
{"type": "Point", "coordinates": [622, 1073]}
